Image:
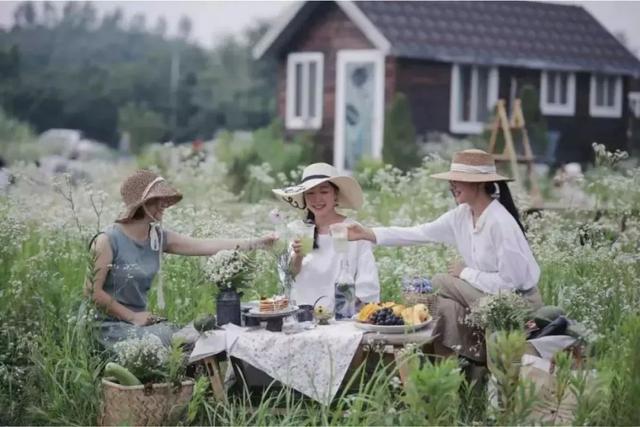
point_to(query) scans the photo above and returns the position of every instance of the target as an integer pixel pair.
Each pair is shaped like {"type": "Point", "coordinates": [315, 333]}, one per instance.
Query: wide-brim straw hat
{"type": "Point", "coordinates": [141, 187]}
{"type": "Point", "coordinates": [472, 166]}
{"type": "Point", "coordinates": [349, 191]}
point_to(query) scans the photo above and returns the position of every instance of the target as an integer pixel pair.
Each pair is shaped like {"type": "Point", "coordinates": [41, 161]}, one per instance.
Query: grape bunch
{"type": "Point", "coordinates": [385, 317]}
{"type": "Point", "coordinates": [420, 285]}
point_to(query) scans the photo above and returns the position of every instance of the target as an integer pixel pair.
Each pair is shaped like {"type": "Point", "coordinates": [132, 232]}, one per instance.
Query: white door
{"type": "Point", "coordinates": [359, 121]}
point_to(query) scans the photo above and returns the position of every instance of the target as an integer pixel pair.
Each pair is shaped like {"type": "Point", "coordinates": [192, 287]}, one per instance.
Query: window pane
{"type": "Point", "coordinates": [599, 91]}
{"type": "Point", "coordinates": [611, 91]}
{"type": "Point", "coordinates": [298, 91]}
{"type": "Point", "coordinates": [551, 86]}
{"type": "Point", "coordinates": [464, 100]}
{"type": "Point", "coordinates": [312, 89]}
{"type": "Point", "coordinates": [564, 83]}
{"type": "Point", "coordinates": [483, 94]}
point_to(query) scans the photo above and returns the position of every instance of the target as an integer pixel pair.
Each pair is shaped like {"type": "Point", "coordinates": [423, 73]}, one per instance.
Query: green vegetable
{"type": "Point", "coordinates": [205, 323]}
{"type": "Point", "coordinates": [121, 374]}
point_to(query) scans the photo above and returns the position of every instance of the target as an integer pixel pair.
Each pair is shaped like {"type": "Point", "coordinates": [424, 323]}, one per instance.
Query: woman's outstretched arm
{"type": "Point", "coordinates": [180, 244]}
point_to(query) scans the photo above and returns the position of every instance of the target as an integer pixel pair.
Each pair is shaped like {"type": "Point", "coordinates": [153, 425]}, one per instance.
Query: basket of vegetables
{"type": "Point", "coordinates": [146, 384]}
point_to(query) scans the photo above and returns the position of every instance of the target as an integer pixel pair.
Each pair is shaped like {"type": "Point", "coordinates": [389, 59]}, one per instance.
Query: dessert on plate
{"type": "Point", "coordinates": [273, 304]}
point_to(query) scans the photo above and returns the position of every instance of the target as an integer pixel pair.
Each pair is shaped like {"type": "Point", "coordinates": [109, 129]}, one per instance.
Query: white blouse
{"type": "Point", "coordinates": [320, 270]}
{"type": "Point", "coordinates": [496, 253]}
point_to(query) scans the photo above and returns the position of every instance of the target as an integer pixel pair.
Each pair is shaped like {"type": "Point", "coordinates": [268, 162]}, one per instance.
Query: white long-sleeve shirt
{"type": "Point", "coordinates": [496, 253]}
{"type": "Point", "coordinates": [320, 270]}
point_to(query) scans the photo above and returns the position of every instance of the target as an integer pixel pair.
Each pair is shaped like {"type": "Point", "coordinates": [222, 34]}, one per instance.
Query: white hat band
{"type": "Point", "coordinates": [151, 184]}
{"type": "Point", "coordinates": [483, 169]}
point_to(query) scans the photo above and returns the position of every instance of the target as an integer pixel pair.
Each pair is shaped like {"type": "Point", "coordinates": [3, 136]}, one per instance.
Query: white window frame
{"type": "Point", "coordinates": [471, 127]}
{"type": "Point", "coordinates": [634, 103]}
{"type": "Point", "coordinates": [557, 108]}
{"type": "Point", "coordinates": [603, 110]}
{"type": "Point", "coordinates": [304, 121]}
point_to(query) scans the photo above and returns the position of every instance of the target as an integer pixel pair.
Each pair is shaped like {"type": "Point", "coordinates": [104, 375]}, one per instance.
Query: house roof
{"type": "Point", "coordinates": [523, 34]}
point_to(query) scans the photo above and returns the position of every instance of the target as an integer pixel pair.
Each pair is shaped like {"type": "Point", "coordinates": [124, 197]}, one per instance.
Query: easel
{"type": "Point", "coordinates": [509, 154]}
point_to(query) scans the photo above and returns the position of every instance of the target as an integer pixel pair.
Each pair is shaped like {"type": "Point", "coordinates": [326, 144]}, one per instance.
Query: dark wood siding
{"type": "Point", "coordinates": [328, 31]}
{"type": "Point", "coordinates": [578, 131]}
{"type": "Point", "coordinates": [427, 86]}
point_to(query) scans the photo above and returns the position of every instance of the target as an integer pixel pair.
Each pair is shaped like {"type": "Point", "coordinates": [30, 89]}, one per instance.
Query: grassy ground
{"type": "Point", "coordinates": [50, 375]}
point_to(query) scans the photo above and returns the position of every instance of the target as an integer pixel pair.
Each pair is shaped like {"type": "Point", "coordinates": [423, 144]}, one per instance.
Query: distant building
{"type": "Point", "coordinates": [340, 63]}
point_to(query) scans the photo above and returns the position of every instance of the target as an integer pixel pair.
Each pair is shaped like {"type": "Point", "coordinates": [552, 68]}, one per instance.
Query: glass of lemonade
{"type": "Point", "coordinates": [304, 232]}
{"type": "Point", "coordinates": [339, 236]}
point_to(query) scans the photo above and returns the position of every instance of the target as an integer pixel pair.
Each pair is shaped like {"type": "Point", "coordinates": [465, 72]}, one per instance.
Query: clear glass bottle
{"type": "Point", "coordinates": [345, 292]}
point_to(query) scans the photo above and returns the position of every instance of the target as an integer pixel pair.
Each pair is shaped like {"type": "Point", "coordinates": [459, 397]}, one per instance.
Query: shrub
{"type": "Point", "coordinates": [143, 125]}
{"type": "Point", "coordinates": [252, 163]}
{"type": "Point", "coordinates": [400, 148]}
{"type": "Point", "coordinates": [535, 122]}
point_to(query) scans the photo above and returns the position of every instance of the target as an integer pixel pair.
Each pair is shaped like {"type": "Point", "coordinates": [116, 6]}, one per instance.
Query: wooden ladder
{"type": "Point", "coordinates": [509, 154]}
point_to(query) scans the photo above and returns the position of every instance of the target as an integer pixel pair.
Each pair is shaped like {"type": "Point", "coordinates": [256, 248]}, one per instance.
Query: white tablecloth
{"type": "Point", "coordinates": [313, 362]}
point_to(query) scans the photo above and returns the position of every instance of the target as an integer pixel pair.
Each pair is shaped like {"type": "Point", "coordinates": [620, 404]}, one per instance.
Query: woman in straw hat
{"type": "Point", "coordinates": [486, 230]}
{"type": "Point", "coordinates": [321, 190]}
{"type": "Point", "coordinates": [128, 255]}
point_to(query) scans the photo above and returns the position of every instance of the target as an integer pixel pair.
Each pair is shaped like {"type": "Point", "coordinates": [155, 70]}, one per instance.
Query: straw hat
{"type": "Point", "coordinates": [142, 186]}
{"type": "Point", "coordinates": [472, 166]}
{"type": "Point", "coordinates": [349, 193]}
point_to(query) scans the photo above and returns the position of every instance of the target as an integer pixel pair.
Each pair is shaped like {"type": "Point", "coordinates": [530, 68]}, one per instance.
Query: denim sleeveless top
{"type": "Point", "coordinates": [132, 270]}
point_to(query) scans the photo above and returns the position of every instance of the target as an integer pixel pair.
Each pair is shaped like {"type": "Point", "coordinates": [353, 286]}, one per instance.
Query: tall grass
{"type": "Point", "coordinates": [50, 371]}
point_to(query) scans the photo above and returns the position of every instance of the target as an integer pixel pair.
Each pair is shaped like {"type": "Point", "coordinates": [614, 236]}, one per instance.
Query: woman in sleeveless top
{"type": "Point", "coordinates": [128, 256]}
{"type": "Point", "coordinates": [486, 230]}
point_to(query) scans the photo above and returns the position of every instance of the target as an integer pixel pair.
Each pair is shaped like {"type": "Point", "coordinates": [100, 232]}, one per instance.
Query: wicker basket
{"type": "Point", "coordinates": [428, 299]}
{"type": "Point", "coordinates": [142, 405]}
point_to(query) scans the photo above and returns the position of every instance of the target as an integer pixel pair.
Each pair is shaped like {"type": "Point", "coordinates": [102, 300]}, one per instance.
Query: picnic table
{"type": "Point", "coordinates": [313, 360]}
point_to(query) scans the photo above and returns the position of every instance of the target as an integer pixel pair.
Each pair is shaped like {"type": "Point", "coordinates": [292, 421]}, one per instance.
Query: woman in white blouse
{"type": "Point", "coordinates": [486, 230]}
{"type": "Point", "coordinates": [321, 190]}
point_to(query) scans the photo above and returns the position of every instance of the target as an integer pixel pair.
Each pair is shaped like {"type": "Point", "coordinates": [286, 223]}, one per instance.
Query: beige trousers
{"type": "Point", "coordinates": [455, 297]}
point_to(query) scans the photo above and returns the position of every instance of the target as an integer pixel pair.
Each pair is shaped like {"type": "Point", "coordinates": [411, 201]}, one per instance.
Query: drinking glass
{"type": "Point", "coordinates": [339, 236]}
{"type": "Point", "coordinates": [304, 232]}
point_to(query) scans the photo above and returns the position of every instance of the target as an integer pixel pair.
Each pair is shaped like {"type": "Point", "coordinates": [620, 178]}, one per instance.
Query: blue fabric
{"type": "Point", "coordinates": [128, 281]}
{"type": "Point", "coordinates": [133, 269]}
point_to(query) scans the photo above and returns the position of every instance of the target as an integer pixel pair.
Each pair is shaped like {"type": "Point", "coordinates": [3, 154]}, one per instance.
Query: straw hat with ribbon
{"type": "Point", "coordinates": [349, 191]}
{"type": "Point", "coordinates": [138, 189]}
{"type": "Point", "coordinates": [141, 187]}
{"type": "Point", "coordinates": [472, 166]}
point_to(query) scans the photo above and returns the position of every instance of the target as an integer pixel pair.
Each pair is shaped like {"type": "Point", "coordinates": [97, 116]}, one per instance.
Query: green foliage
{"type": "Point", "coordinates": [534, 119]}
{"type": "Point", "coordinates": [516, 397]}
{"type": "Point", "coordinates": [50, 369]}
{"type": "Point", "coordinates": [66, 65]}
{"type": "Point", "coordinates": [504, 311]}
{"type": "Point", "coordinates": [623, 366]}
{"type": "Point", "coordinates": [141, 124]}
{"type": "Point", "coordinates": [252, 163]}
{"type": "Point", "coordinates": [400, 148]}
{"type": "Point", "coordinates": [432, 394]}
{"type": "Point", "coordinates": [17, 140]}
{"type": "Point", "coordinates": [365, 170]}
{"type": "Point", "coordinates": [235, 91]}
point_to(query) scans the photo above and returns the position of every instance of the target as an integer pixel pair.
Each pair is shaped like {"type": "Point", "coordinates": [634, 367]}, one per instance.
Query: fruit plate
{"type": "Point", "coordinates": [255, 312]}
{"type": "Point", "coordinates": [392, 329]}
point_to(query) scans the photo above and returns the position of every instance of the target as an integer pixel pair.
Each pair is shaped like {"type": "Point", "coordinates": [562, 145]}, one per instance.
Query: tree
{"type": "Point", "coordinates": [142, 125]}
{"type": "Point", "coordinates": [160, 28]}
{"type": "Point", "coordinates": [184, 27]}
{"type": "Point", "coordinates": [24, 15]}
{"type": "Point", "coordinates": [400, 148]}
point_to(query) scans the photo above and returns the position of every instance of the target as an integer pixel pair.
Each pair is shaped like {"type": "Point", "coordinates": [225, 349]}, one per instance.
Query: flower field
{"type": "Point", "coordinates": [50, 371]}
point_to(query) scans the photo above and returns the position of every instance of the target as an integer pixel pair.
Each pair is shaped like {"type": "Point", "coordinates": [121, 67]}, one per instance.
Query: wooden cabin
{"type": "Point", "coordinates": [341, 63]}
